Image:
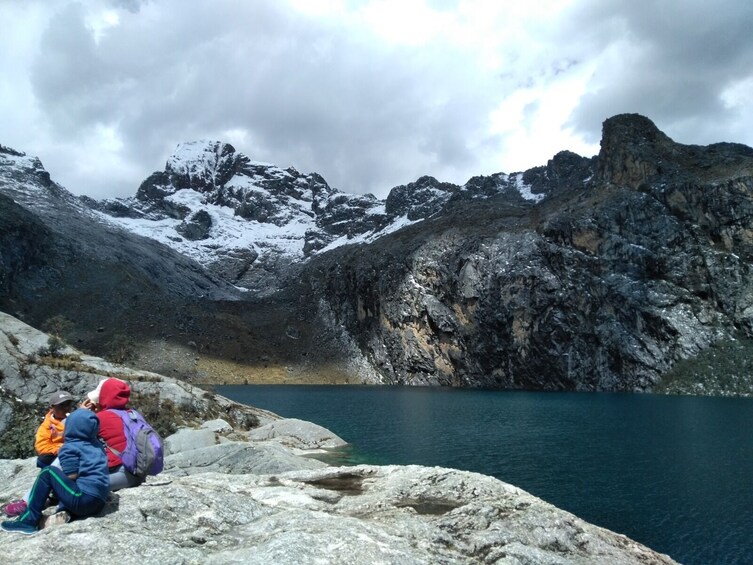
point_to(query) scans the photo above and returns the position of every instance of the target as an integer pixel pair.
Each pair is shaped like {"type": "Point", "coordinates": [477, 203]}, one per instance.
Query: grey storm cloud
{"type": "Point", "coordinates": [67, 75]}
{"type": "Point", "coordinates": [365, 116]}
{"type": "Point", "coordinates": [130, 5]}
{"type": "Point", "coordinates": [111, 94]}
{"type": "Point", "coordinates": [672, 60]}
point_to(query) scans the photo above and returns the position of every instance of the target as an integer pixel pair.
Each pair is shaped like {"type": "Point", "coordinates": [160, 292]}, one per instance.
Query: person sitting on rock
{"type": "Point", "coordinates": [81, 484]}
{"type": "Point", "coordinates": [91, 400]}
{"type": "Point", "coordinates": [114, 395]}
{"type": "Point", "coordinates": [47, 443]}
{"type": "Point", "coordinates": [49, 436]}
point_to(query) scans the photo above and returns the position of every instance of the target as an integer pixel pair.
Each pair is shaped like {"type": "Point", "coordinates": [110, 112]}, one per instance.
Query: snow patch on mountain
{"type": "Point", "coordinates": [196, 157]}
{"type": "Point", "coordinates": [396, 224]}
{"type": "Point", "coordinates": [211, 202]}
{"type": "Point", "coordinates": [15, 167]}
{"type": "Point", "coordinates": [250, 222]}
{"type": "Point", "coordinates": [525, 189]}
{"type": "Point", "coordinates": [228, 231]}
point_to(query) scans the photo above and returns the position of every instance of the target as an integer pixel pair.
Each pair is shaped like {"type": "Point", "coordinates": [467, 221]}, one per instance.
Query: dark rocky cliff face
{"type": "Point", "coordinates": [596, 273]}
{"type": "Point", "coordinates": [115, 290]}
{"type": "Point", "coordinates": [602, 286]}
{"type": "Point", "coordinates": [113, 293]}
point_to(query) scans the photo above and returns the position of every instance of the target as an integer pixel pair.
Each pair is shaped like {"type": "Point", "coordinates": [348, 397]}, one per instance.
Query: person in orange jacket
{"type": "Point", "coordinates": [47, 443]}
{"type": "Point", "coordinates": [49, 436]}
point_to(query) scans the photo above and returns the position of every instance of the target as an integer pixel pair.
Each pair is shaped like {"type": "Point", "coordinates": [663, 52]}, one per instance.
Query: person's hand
{"type": "Point", "coordinates": [88, 404]}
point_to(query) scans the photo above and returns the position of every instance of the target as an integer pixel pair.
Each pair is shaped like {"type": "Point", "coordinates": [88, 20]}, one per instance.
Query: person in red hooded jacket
{"type": "Point", "coordinates": [114, 395]}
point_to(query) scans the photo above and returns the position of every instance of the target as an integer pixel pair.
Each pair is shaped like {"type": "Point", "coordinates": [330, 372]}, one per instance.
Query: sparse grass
{"type": "Point", "coordinates": [17, 442]}
{"type": "Point", "coordinates": [144, 378]}
{"type": "Point", "coordinates": [724, 369]}
{"type": "Point", "coordinates": [120, 349]}
{"type": "Point", "coordinates": [54, 346]}
{"type": "Point", "coordinates": [66, 363]}
{"type": "Point", "coordinates": [164, 417]}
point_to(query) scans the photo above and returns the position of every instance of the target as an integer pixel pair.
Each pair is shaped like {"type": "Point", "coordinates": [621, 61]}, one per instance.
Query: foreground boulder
{"type": "Point", "coordinates": [297, 435]}
{"type": "Point", "coordinates": [363, 514]}
{"type": "Point", "coordinates": [216, 447]}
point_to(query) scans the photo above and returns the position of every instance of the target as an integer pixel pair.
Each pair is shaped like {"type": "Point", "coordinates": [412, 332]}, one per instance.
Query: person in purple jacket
{"type": "Point", "coordinates": [81, 484]}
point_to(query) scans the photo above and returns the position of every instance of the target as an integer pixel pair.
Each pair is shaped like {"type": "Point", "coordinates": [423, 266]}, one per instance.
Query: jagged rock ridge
{"type": "Point", "coordinates": [587, 273]}
{"type": "Point", "coordinates": [122, 294]}
{"type": "Point", "coordinates": [604, 285]}
{"type": "Point", "coordinates": [253, 222]}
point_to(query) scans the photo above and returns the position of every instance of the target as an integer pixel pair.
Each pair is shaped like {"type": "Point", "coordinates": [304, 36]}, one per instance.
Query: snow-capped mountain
{"type": "Point", "coordinates": [228, 212]}
{"type": "Point", "coordinates": [632, 260]}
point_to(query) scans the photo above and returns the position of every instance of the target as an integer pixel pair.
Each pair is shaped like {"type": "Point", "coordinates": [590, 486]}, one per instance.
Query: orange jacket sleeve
{"type": "Point", "coordinates": [49, 435]}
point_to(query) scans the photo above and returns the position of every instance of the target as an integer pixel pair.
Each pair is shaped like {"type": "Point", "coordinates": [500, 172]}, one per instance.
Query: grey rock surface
{"type": "Point", "coordinates": [297, 434]}
{"type": "Point", "coordinates": [218, 425]}
{"type": "Point", "coordinates": [363, 514]}
{"type": "Point", "coordinates": [215, 446]}
{"type": "Point", "coordinates": [186, 439]}
{"type": "Point", "coordinates": [237, 457]}
{"type": "Point", "coordinates": [27, 379]}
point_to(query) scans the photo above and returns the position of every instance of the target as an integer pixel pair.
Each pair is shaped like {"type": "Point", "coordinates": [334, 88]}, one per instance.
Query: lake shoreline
{"type": "Point", "coordinates": [661, 469]}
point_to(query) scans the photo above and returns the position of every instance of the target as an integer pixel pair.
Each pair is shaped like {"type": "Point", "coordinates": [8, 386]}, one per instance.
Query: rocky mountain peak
{"type": "Point", "coordinates": [16, 166]}
{"type": "Point", "coordinates": [566, 170]}
{"type": "Point", "coordinates": [636, 154]}
{"type": "Point", "coordinates": [215, 174]}
{"type": "Point", "coordinates": [10, 151]}
{"type": "Point", "coordinates": [640, 257]}
{"type": "Point", "coordinates": [254, 223]}
{"type": "Point", "coordinates": [203, 165]}
{"type": "Point", "coordinates": [419, 199]}
{"type": "Point", "coordinates": [630, 145]}
{"type": "Point", "coordinates": [631, 128]}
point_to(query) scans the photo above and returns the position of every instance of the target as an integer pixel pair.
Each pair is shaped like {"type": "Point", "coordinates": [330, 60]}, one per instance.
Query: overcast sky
{"type": "Point", "coordinates": [368, 93]}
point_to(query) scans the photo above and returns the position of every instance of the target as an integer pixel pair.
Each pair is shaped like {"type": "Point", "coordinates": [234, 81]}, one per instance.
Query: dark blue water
{"type": "Point", "coordinates": [675, 473]}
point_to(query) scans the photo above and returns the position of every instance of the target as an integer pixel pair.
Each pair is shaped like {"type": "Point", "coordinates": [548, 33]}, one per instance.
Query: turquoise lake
{"type": "Point", "coordinates": [673, 472]}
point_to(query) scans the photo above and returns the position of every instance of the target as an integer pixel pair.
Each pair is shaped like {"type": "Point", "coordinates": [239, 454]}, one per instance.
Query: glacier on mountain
{"type": "Point", "coordinates": [250, 206]}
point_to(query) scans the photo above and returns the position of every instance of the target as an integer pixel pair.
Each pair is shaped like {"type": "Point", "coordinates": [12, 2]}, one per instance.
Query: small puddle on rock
{"type": "Point", "coordinates": [429, 507]}
{"type": "Point", "coordinates": [349, 485]}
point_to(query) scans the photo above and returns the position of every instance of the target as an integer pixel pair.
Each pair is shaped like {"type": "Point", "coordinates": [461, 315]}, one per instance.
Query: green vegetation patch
{"type": "Point", "coordinates": [17, 441]}
{"type": "Point", "coordinates": [58, 326]}
{"type": "Point", "coordinates": [723, 369]}
{"type": "Point", "coordinates": [120, 349]}
{"type": "Point", "coordinates": [66, 363]}
{"type": "Point", "coordinates": [166, 416]}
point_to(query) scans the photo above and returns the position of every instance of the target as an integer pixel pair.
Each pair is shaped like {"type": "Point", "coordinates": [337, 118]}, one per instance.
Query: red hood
{"type": "Point", "coordinates": [114, 394]}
